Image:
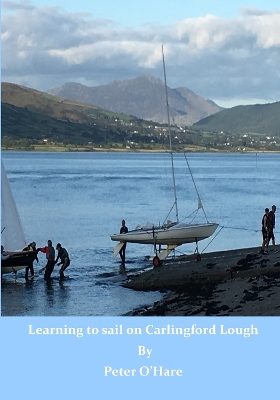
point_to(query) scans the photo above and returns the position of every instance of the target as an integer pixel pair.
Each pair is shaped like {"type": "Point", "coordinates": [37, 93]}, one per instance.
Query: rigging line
{"type": "Point", "coordinates": [194, 217]}
{"type": "Point", "coordinates": [242, 229]}
{"type": "Point", "coordinates": [212, 239]}
{"type": "Point", "coordinates": [194, 212]}
{"type": "Point", "coordinates": [188, 216]}
{"type": "Point", "coordinates": [168, 214]}
{"type": "Point", "coordinates": [181, 252]}
{"type": "Point", "coordinates": [170, 141]}
{"type": "Point", "coordinates": [200, 205]}
{"type": "Point", "coordinates": [246, 229]}
{"type": "Point", "coordinates": [222, 227]}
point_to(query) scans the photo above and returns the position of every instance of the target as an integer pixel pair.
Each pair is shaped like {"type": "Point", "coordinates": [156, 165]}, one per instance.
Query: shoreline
{"type": "Point", "coordinates": [239, 282]}
{"type": "Point", "coordinates": [53, 149]}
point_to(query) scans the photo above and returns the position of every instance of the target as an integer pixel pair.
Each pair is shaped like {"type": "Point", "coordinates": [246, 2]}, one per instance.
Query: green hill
{"type": "Point", "coordinates": [33, 116]}
{"type": "Point", "coordinates": [258, 118]}
{"type": "Point", "coordinates": [35, 120]}
{"type": "Point", "coordinates": [54, 106]}
{"type": "Point", "coordinates": [21, 123]}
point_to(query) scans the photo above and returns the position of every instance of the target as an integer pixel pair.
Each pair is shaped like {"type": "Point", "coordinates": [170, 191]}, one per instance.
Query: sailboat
{"type": "Point", "coordinates": [171, 234]}
{"type": "Point", "coordinates": [12, 234]}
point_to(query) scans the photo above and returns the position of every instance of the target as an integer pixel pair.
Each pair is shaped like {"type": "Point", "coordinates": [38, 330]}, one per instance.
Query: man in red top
{"type": "Point", "coordinates": [270, 226]}
{"type": "Point", "coordinates": [50, 255]}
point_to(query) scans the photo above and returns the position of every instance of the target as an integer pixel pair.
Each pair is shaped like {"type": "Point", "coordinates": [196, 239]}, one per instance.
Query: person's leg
{"type": "Point", "coordinates": [47, 273]}
{"type": "Point", "coordinates": [269, 236]}
{"type": "Point", "coordinates": [63, 268]}
{"type": "Point", "coordinates": [273, 244]}
{"type": "Point", "coordinates": [49, 270]}
{"type": "Point", "coordinates": [124, 247]}
{"type": "Point", "coordinates": [264, 233]}
{"type": "Point", "coordinates": [31, 270]}
{"type": "Point", "coordinates": [26, 273]}
{"type": "Point", "coordinates": [51, 267]}
{"type": "Point", "coordinates": [273, 240]}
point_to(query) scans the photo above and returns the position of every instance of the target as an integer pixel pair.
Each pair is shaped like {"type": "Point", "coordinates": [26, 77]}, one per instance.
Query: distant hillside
{"type": "Point", "coordinates": [21, 123]}
{"type": "Point", "coordinates": [52, 106]}
{"type": "Point", "coordinates": [258, 118]}
{"type": "Point", "coordinates": [28, 114]}
{"type": "Point", "coordinates": [31, 119]}
{"type": "Point", "coordinates": [143, 97]}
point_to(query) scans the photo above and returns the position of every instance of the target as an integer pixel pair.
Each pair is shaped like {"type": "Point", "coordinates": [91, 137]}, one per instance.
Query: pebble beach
{"type": "Point", "coordinates": [240, 282]}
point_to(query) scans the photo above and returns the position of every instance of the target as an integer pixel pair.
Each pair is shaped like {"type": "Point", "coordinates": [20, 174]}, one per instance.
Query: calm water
{"type": "Point", "coordinates": [79, 199]}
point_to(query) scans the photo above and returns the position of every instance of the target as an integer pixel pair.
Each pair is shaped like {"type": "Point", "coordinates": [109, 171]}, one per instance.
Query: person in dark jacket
{"type": "Point", "coordinates": [264, 232]}
{"type": "Point", "coordinates": [122, 250]}
{"type": "Point", "coordinates": [30, 247]}
{"type": "Point", "coordinates": [64, 259]}
{"type": "Point", "coordinates": [270, 226]}
{"type": "Point", "coordinates": [50, 255]}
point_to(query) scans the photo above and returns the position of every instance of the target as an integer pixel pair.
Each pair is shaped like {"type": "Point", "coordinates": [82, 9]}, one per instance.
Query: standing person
{"type": "Point", "coordinates": [122, 250]}
{"type": "Point", "coordinates": [264, 232]}
{"type": "Point", "coordinates": [64, 259]}
{"type": "Point", "coordinates": [30, 247]}
{"type": "Point", "coordinates": [270, 226]}
{"type": "Point", "coordinates": [50, 254]}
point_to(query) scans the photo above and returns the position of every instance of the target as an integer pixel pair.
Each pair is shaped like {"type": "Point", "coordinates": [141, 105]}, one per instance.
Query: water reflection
{"type": "Point", "coordinates": [63, 293]}
{"type": "Point", "coordinates": [49, 291]}
{"type": "Point", "coordinates": [15, 297]}
{"type": "Point", "coordinates": [122, 269]}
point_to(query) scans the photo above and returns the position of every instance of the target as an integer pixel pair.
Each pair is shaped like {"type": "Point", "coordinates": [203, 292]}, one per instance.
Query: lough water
{"type": "Point", "coordinates": [79, 199]}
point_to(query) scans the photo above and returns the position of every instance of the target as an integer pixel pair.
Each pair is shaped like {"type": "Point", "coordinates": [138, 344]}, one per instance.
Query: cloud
{"type": "Point", "coordinates": [43, 47]}
{"type": "Point", "coordinates": [16, 5]}
{"type": "Point", "coordinates": [252, 11]}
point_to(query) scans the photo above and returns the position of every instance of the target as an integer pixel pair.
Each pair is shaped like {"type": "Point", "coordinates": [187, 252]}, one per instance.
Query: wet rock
{"type": "Point", "coordinates": [224, 308]}
{"type": "Point", "coordinates": [250, 296]}
{"type": "Point", "coordinates": [210, 265]}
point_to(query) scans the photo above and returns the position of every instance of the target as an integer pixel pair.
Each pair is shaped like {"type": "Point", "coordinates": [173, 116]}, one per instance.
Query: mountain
{"type": "Point", "coordinates": [40, 102]}
{"type": "Point", "coordinates": [30, 114]}
{"type": "Point", "coordinates": [257, 118]}
{"type": "Point", "coordinates": [32, 118]}
{"type": "Point", "coordinates": [143, 97]}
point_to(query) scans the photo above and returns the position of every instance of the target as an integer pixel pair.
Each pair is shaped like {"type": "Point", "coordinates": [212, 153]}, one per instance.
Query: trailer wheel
{"type": "Point", "coordinates": [156, 262]}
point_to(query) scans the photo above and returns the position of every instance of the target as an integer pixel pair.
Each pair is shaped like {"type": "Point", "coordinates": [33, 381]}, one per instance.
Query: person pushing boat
{"type": "Point", "coordinates": [30, 247]}
{"type": "Point", "coordinates": [64, 257]}
{"type": "Point", "coordinates": [50, 255]}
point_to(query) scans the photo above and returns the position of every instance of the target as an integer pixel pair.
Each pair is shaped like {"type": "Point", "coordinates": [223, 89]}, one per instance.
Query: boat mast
{"type": "Point", "coordinates": [170, 140]}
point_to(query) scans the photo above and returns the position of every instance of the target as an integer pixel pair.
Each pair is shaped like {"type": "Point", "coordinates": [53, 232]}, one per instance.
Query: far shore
{"type": "Point", "coordinates": [241, 282]}
{"type": "Point", "coordinates": [69, 149]}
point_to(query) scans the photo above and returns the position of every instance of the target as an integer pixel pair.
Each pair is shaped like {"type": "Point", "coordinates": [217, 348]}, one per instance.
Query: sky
{"type": "Point", "coordinates": [228, 52]}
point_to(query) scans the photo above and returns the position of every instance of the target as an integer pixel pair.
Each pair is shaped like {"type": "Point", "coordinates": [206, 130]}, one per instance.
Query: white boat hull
{"type": "Point", "coordinates": [175, 235]}
{"type": "Point", "coordinates": [17, 261]}
{"type": "Point", "coordinates": [7, 270]}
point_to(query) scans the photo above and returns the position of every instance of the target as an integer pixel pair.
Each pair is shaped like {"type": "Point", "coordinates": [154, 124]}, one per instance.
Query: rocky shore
{"type": "Point", "coordinates": [239, 282]}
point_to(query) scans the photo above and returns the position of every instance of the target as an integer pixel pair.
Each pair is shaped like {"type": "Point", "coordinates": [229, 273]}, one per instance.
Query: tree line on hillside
{"type": "Point", "coordinates": [25, 129]}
